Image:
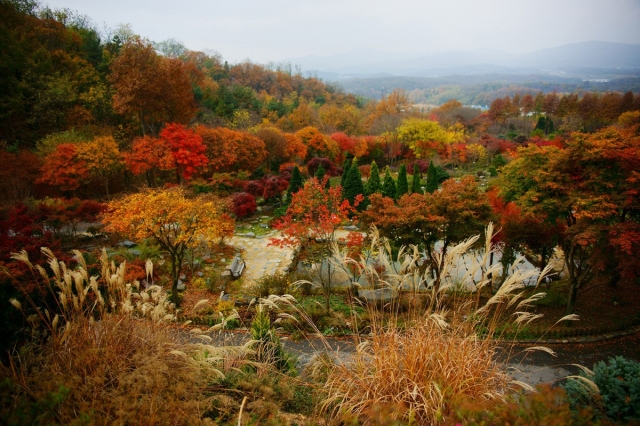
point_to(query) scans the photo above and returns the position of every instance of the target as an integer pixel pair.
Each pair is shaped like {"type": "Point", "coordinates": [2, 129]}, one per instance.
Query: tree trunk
{"type": "Point", "coordinates": [176, 269]}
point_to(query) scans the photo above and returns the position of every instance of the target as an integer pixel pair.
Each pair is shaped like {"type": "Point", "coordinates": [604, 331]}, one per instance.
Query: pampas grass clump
{"type": "Point", "coordinates": [108, 356]}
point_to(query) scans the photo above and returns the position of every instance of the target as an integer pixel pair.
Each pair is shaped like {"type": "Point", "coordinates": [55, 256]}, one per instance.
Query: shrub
{"type": "Point", "coordinates": [244, 204]}
{"type": "Point", "coordinates": [277, 283]}
{"type": "Point", "coordinates": [548, 406]}
{"type": "Point", "coordinates": [617, 395]}
{"type": "Point", "coordinates": [120, 363]}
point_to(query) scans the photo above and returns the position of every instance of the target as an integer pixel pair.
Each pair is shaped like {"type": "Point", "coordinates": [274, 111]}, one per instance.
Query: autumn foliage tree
{"type": "Point", "coordinates": [231, 150]}
{"type": "Point", "coordinates": [149, 88]}
{"type": "Point", "coordinates": [64, 169]}
{"type": "Point", "coordinates": [102, 158]}
{"type": "Point", "coordinates": [175, 221]}
{"type": "Point", "coordinates": [315, 213]}
{"type": "Point", "coordinates": [149, 155]}
{"type": "Point", "coordinates": [187, 149]}
{"type": "Point", "coordinates": [588, 192]}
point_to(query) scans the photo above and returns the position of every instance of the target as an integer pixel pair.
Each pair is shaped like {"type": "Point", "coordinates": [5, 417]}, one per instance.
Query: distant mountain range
{"type": "Point", "coordinates": [585, 59]}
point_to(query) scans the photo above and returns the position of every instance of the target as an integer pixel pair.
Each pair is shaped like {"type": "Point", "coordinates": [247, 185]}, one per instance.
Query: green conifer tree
{"type": "Point", "coordinates": [432, 179]}
{"type": "Point", "coordinates": [373, 184]}
{"type": "Point", "coordinates": [345, 170]}
{"type": "Point", "coordinates": [320, 172]}
{"type": "Point", "coordinates": [416, 186]}
{"type": "Point", "coordinates": [402, 186]}
{"type": "Point", "coordinates": [388, 185]}
{"type": "Point", "coordinates": [353, 185]}
{"type": "Point", "coordinates": [295, 183]}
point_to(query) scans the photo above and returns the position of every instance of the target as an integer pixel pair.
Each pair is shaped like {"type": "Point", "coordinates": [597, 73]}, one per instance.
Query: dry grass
{"type": "Point", "coordinates": [417, 371]}
{"type": "Point", "coordinates": [412, 366]}
{"type": "Point", "coordinates": [106, 355]}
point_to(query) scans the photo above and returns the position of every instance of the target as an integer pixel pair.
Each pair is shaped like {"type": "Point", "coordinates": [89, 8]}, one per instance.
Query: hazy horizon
{"type": "Point", "coordinates": [285, 29]}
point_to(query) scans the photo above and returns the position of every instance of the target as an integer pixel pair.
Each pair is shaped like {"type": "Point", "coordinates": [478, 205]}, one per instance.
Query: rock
{"type": "Point", "coordinates": [183, 277]}
{"type": "Point", "coordinates": [264, 225]}
{"type": "Point", "coordinates": [226, 273]}
{"type": "Point", "coordinates": [247, 235]}
{"type": "Point", "coordinates": [199, 273]}
{"type": "Point", "coordinates": [135, 252]}
{"type": "Point", "coordinates": [381, 295]}
{"type": "Point", "coordinates": [238, 299]}
{"type": "Point", "coordinates": [181, 286]}
{"type": "Point", "coordinates": [350, 228]}
{"type": "Point", "coordinates": [259, 209]}
{"type": "Point", "coordinates": [223, 260]}
{"type": "Point", "coordinates": [127, 244]}
{"type": "Point", "coordinates": [264, 217]}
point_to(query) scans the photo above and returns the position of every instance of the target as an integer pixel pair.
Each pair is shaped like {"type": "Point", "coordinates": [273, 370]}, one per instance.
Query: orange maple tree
{"type": "Point", "coordinates": [176, 222]}
{"type": "Point", "coordinates": [63, 168]}
{"type": "Point", "coordinates": [231, 150]}
{"type": "Point", "coordinates": [147, 155]}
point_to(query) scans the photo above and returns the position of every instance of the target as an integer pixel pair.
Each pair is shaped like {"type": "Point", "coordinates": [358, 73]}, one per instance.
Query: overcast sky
{"type": "Point", "coordinates": [272, 30]}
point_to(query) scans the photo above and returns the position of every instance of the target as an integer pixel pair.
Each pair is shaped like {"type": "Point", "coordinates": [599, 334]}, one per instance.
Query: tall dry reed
{"type": "Point", "coordinates": [433, 344]}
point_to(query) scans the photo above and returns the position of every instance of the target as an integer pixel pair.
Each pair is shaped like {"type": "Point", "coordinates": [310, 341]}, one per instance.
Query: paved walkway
{"type": "Point", "coordinates": [260, 258]}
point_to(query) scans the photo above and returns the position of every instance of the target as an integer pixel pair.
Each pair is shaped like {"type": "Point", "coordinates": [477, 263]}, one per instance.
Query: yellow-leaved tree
{"type": "Point", "coordinates": [425, 137]}
{"type": "Point", "coordinates": [176, 222]}
{"type": "Point", "coordinates": [102, 157]}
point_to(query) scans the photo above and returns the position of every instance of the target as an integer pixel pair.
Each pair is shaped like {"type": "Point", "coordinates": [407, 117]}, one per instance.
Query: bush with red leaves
{"type": "Point", "coordinates": [244, 204]}
{"type": "Point", "coordinates": [423, 166]}
{"type": "Point", "coordinates": [268, 187]}
{"type": "Point", "coordinates": [329, 167]}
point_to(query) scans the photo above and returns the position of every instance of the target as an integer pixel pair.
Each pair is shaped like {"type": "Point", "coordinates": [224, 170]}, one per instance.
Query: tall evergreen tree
{"type": "Point", "coordinates": [402, 186]}
{"type": "Point", "coordinates": [345, 170]}
{"type": "Point", "coordinates": [373, 184]}
{"type": "Point", "coordinates": [416, 187]}
{"type": "Point", "coordinates": [295, 183]}
{"type": "Point", "coordinates": [320, 172]}
{"type": "Point", "coordinates": [353, 185]}
{"type": "Point", "coordinates": [388, 185]}
{"type": "Point", "coordinates": [432, 179]}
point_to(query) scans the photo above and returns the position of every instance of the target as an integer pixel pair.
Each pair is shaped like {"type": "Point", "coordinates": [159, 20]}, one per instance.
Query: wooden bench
{"type": "Point", "coordinates": [237, 266]}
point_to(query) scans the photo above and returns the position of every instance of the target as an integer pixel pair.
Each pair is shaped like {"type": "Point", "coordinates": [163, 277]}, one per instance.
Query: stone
{"type": "Point", "coordinates": [199, 273]}
{"type": "Point", "coordinates": [127, 244]}
{"type": "Point", "coordinates": [381, 295]}
{"type": "Point", "coordinates": [250, 235]}
{"type": "Point", "coordinates": [226, 273]}
{"type": "Point", "coordinates": [183, 277]}
{"type": "Point", "coordinates": [238, 299]}
{"type": "Point", "coordinates": [350, 228]}
{"type": "Point", "coordinates": [264, 225]}
{"type": "Point", "coordinates": [135, 252]}
{"type": "Point", "coordinates": [181, 286]}
{"type": "Point", "coordinates": [223, 260]}
{"type": "Point", "coordinates": [259, 209]}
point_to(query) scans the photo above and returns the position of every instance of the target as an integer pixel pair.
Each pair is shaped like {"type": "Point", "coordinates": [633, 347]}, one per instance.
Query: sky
{"type": "Point", "coordinates": [274, 30]}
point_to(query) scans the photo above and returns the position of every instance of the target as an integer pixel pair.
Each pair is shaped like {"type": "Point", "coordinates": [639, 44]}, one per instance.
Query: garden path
{"type": "Point", "coordinates": [260, 258]}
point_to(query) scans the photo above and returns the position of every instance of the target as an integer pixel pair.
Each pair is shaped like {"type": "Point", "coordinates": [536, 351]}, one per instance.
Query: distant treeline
{"type": "Point", "coordinates": [482, 89]}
